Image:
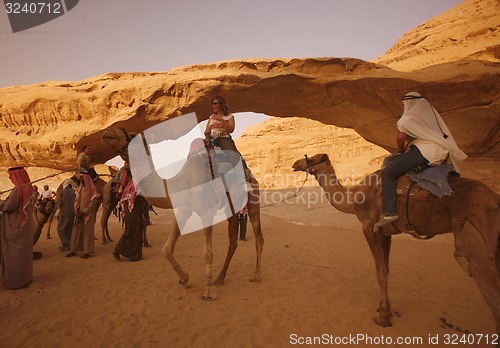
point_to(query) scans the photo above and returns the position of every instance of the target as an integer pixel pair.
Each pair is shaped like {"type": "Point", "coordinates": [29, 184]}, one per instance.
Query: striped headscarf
{"type": "Point", "coordinates": [21, 180]}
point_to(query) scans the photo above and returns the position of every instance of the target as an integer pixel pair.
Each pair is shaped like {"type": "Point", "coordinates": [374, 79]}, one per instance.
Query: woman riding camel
{"type": "Point", "coordinates": [220, 125]}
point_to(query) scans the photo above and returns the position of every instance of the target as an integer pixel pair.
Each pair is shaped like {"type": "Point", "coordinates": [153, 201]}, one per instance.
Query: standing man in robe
{"type": "Point", "coordinates": [66, 214]}
{"type": "Point", "coordinates": [86, 204]}
{"type": "Point", "coordinates": [16, 232]}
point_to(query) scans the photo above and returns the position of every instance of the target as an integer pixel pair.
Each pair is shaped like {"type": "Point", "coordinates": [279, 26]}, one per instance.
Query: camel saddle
{"type": "Point", "coordinates": [424, 182]}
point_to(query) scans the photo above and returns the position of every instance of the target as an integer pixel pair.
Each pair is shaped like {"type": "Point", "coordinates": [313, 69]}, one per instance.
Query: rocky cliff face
{"type": "Point", "coordinates": [44, 125]}
{"type": "Point", "coordinates": [470, 30]}
{"type": "Point", "coordinates": [270, 149]}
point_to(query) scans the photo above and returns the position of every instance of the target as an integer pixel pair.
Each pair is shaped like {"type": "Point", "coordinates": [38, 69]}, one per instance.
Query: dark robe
{"type": "Point", "coordinates": [66, 215]}
{"type": "Point", "coordinates": [130, 244]}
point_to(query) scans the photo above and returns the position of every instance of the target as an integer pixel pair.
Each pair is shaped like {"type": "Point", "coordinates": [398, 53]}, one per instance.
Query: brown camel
{"type": "Point", "coordinates": [472, 214]}
{"type": "Point", "coordinates": [193, 172]}
{"type": "Point", "coordinates": [41, 214]}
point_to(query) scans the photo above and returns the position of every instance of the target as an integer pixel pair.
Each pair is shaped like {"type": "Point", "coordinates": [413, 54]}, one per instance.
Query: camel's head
{"type": "Point", "coordinates": [47, 207]}
{"type": "Point", "coordinates": [117, 138]}
{"type": "Point", "coordinates": [307, 164]}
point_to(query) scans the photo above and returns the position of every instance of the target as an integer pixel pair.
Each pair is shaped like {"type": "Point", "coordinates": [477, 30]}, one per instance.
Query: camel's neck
{"type": "Point", "coordinates": [341, 197]}
{"type": "Point", "coordinates": [154, 189]}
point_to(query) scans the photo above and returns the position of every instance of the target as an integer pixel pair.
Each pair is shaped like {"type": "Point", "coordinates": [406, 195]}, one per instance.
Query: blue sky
{"type": "Point", "coordinates": [101, 36]}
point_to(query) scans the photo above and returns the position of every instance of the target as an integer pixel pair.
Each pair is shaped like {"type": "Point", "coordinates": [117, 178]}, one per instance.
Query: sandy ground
{"type": "Point", "coordinates": [318, 280]}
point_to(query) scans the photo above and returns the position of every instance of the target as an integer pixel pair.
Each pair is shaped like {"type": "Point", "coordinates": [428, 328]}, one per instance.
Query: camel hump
{"type": "Point", "coordinates": [404, 184]}
{"type": "Point", "coordinates": [416, 191]}
{"type": "Point", "coordinates": [432, 180]}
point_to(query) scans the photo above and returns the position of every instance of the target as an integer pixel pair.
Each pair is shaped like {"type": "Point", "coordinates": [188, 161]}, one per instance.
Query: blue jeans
{"type": "Point", "coordinates": [393, 169]}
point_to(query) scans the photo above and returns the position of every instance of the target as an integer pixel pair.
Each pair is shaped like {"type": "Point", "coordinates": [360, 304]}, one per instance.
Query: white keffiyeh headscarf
{"type": "Point", "coordinates": [421, 121]}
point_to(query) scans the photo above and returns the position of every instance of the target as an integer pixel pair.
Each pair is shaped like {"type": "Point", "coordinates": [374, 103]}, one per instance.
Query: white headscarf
{"type": "Point", "coordinates": [421, 121]}
{"type": "Point", "coordinates": [67, 182]}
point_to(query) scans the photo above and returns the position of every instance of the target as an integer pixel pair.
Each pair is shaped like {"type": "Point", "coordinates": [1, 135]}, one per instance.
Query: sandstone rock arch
{"type": "Point", "coordinates": [45, 124]}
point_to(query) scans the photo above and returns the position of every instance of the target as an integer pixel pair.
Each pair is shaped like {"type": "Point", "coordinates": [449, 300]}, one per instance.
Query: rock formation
{"type": "Point", "coordinates": [45, 124]}
{"type": "Point", "coordinates": [270, 147]}
{"type": "Point", "coordinates": [470, 30]}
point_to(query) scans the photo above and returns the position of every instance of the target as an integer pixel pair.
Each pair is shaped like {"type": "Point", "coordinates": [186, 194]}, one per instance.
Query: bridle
{"type": "Point", "coordinates": [41, 209]}
{"type": "Point", "coordinates": [129, 139]}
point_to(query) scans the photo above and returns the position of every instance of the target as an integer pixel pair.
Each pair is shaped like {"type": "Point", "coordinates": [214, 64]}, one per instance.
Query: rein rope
{"type": "Point", "coordinates": [37, 180]}
{"type": "Point", "coordinates": [290, 196]}
{"type": "Point", "coordinates": [409, 226]}
{"type": "Point", "coordinates": [298, 191]}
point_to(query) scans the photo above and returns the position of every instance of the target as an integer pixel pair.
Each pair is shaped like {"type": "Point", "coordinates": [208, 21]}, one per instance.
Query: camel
{"type": "Point", "coordinates": [109, 204]}
{"type": "Point", "coordinates": [193, 172]}
{"type": "Point", "coordinates": [41, 214]}
{"type": "Point", "coordinates": [472, 214]}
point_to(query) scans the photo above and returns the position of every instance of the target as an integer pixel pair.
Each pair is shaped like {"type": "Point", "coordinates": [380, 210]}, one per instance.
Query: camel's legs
{"type": "Point", "coordinates": [478, 256]}
{"type": "Point", "coordinates": [51, 218]}
{"type": "Point", "coordinates": [168, 252]}
{"type": "Point", "coordinates": [254, 216]}
{"type": "Point", "coordinates": [380, 246]}
{"type": "Point", "coordinates": [106, 213]}
{"type": "Point", "coordinates": [145, 242]}
{"type": "Point", "coordinates": [232, 231]}
{"type": "Point", "coordinates": [210, 293]}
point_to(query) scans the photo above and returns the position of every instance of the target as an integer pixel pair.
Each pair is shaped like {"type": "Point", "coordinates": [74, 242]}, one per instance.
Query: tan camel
{"type": "Point", "coordinates": [193, 172]}
{"type": "Point", "coordinates": [41, 214]}
{"type": "Point", "coordinates": [472, 214]}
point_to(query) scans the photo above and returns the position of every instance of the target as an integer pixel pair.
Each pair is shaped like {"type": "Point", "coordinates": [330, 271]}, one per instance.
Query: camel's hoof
{"type": "Point", "coordinates": [184, 280]}
{"type": "Point", "coordinates": [255, 279]}
{"type": "Point", "coordinates": [146, 245]}
{"type": "Point", "coordinates": [104, 242]}
{"type": "Point", "coordinates": [210, 295]}
{"type": "Point", "coordinates": [382, 322]}
{"type": "Point", "coordinates": [384, 318]}
{"type": "Point", "coordinates": [49, 237]}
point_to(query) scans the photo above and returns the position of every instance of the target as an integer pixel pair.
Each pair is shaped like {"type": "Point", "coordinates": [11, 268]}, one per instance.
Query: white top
{"type": "Point", "coordinates": [216, 128]}
{"type": "Point", "coordinates": [431, 151]}
{"type": "Point", "coordinates": [47, 194]}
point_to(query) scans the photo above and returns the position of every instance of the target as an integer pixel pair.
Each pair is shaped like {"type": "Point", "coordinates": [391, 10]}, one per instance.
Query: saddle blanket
{"type": "Point", "coordinates": [434, 179]}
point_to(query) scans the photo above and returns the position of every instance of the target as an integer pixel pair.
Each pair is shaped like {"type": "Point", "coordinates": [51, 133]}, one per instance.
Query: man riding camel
{"type": "Point", "coordinates": [85, 163]}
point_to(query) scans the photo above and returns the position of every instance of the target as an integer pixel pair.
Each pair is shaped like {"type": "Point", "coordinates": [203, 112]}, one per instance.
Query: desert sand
{"type": "Point", "coordinates": [318, 279]}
